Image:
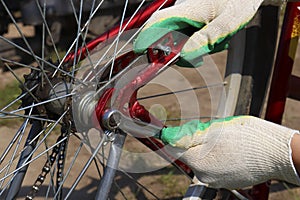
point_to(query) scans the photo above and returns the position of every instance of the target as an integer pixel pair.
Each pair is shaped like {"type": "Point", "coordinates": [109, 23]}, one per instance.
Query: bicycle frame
{"type": "Point", "coordinates": [283, 83]}
{"type": "Point", "coordinates": [280, 79]}
{"type": "Point", "coordinates": [134, 22]}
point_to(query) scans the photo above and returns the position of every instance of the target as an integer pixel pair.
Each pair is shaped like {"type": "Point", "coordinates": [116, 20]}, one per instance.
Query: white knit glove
{"type": "Point", "coordinates": [211, 23]}
{"type": "Point", "coordinates": [235, 152]}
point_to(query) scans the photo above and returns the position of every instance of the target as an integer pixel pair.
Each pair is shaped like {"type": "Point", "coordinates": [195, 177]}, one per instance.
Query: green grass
{"type": "Point", "coordinates": [9, 93]}
{"type": "Point", "coordinates": [173, 184]}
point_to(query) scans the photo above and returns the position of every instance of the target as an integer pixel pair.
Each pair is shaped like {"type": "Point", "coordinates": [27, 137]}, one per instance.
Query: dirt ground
{"type": "Point", "coordinates": [166, 182]}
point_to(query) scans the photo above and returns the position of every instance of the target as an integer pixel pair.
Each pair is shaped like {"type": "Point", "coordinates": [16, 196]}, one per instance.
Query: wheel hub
{"type": "Point", "coordinates": [45, 87]}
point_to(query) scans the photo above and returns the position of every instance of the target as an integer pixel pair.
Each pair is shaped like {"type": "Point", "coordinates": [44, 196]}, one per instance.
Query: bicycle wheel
{"type": "Point", "coordinates": [48, 147]}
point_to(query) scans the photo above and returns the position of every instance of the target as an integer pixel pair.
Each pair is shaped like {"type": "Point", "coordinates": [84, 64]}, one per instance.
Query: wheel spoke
{"type": "Point", "coordinates": [42, 103]}
{"type": "Point", "coordinates": [76, 154]}
{"type": "Point", "coordinates": [31, 52]}
{"type": "Point", "coordinates": [46, 26]}
{"type": "Point", "coordinates": [77, 37]}
{"type": "Point", "coordinates": [42, 93]}
{"type": "Point", "coordinates": [181, 91]}
{"type": "Point", "coordinates": [117, 41]}
{"type": "Point", "coordinates": [27, 162]}
{"type": "Point", "coordinates": [20, 136]}
{"type": "Point", "coordinates": [100, 144]}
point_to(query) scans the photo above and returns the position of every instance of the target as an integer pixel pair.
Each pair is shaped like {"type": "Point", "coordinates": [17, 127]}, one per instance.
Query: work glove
{"type": "Point", "coordinates": [211, 23]}
{"type": "Point", "coordinates": [234, 152]}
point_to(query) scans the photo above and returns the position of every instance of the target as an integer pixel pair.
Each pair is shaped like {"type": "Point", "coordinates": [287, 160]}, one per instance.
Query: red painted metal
{"type": "Point", "coordinates": [156, 145]}
{"type": "Point", "coordinates": [130, 23]}
{"type": "Point", "coordinates": [284, 63]}
{"type": "Point", "coordinates": [281, 76]}
{"type": "Point", "coordinates": [103, 103]}
{"type": "Point", "coordinates": [128, 94]}
{"type": "Point", "coordinates": [158, 60]}
{"type": "Point", "coordinates": [141, 113]}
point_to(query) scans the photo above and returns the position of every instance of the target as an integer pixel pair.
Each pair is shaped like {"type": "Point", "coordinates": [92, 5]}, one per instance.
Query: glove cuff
{"type": "Point", "coordinates": [274, 150]}
{"type": "Point", "coordinates": [296, 177]}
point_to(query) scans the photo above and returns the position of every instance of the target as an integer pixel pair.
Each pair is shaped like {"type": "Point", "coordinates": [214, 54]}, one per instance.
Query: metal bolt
{"type": "Point", "coordinates": [165, 49]}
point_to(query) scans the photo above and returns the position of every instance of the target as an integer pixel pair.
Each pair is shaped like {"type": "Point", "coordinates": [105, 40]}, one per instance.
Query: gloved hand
{"type": "Point", "coordinates": [214, 21]}
{"type": "Point", "coordinates": [235, 152]}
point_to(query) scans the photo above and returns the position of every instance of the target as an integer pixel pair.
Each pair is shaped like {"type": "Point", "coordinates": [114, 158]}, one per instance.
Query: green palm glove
{"type": "Point", "coordinates": [209, 23]}
{"type": "Point", "coordinates": [234, 152]}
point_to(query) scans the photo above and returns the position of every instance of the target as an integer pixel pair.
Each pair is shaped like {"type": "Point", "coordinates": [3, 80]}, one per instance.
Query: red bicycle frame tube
{"type": "Point", "coordinates": [139, 19]}
{"type": "Point", "coordinates": [281, 76]}
{"type": "Point", "coordinates": [159, 60]}
{"type": "Point", "coordinates": [284, 63]}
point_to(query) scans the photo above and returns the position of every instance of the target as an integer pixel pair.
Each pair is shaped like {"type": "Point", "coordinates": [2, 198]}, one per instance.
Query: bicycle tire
{"type": "Point", "coordinates": [260, 47]}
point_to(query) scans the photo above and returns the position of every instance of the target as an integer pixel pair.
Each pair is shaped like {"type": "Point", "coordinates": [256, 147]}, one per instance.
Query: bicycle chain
{"type": "Point", "coordinates": [59, 151]}
{"type": "Point", "coordinates": [45, 170]}
{"type": "Point", "coordinates": [61, 160]}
